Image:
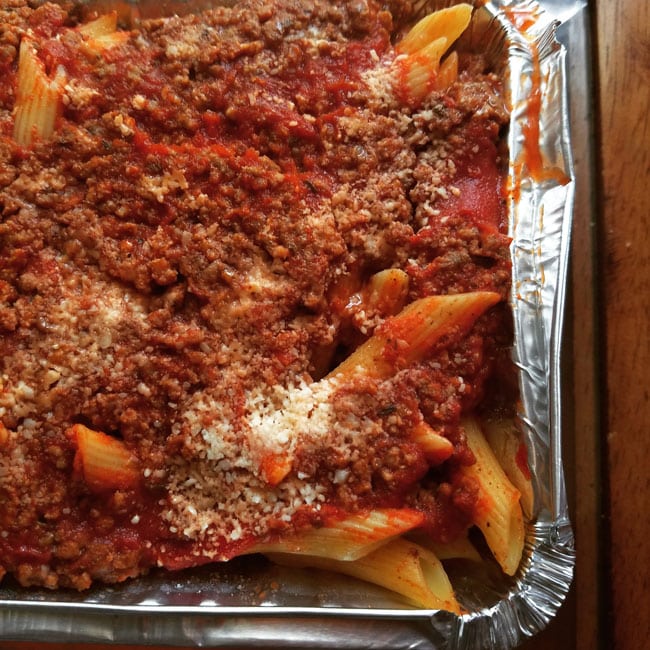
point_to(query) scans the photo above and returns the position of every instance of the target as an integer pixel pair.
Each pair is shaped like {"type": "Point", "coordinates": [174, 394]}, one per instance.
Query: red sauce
{"type": "Point", "coordinates": [25, 551]}
{"type": "Point", "coordinates": [479, 183]}
{"type": "Point", "coordinates": [47, 20]}
{"type": "Point", "coordinates": [532, 154]}
{"type": "Point", "coordinates": [523, 18]}
{"type": "Point", "coordinates": [531, 157]}
{"type": "Point", "coordinates": [522, 460]}
{"type": "Point", "coordinates": [182, 210]}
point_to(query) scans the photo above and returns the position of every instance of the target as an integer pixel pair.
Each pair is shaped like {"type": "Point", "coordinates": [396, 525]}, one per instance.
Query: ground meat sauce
{"type": "Point", "coordinates": [171, 264]}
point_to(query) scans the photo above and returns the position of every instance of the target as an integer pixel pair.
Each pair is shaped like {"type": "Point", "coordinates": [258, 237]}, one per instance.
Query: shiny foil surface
{"type": "Point", "coordinates": [250, 602]}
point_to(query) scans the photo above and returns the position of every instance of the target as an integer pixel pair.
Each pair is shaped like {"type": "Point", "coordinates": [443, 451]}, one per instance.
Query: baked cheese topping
{"type": "Point", "coordinates": [186, 258]}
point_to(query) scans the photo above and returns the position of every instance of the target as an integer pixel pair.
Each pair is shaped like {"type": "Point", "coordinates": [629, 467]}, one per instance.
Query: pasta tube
{"type": "Point", "coordinates": [102, 33]}
{"type": "Point", "coordinates": [422, 69]}
{"type": "Point", "coordinates": [436, 448]}
{"type": "Point", "coordinates": [348, 538]}
{"type": "Point", "coordinates": [39, 99]}
{"type": "Point", "coordinates": [509, 448]}
{"type": "Point", "coordinates": [103, 26]}
{"type": "Point", "coordinates": [400, 566]}
{"type": "Point", "coordinates": [104, 462]}
{"type": "Point", "coordinates": [386, 291]}
{"type": "Point", "coordinates": [499, 515]}
{"type": "Point", "coordinates": [447, 23]}
{"type": "Point", "coordinates": [410, 336]}
{"type": "Point", "coordinates": [448, 72]}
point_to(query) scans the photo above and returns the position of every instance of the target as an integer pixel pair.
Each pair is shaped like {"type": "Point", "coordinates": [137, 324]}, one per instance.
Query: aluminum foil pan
{"type": "Point", "coordinates": [249, 602]}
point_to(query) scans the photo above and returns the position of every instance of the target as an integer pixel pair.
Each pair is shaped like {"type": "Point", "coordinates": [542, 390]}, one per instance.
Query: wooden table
{"type": "Point", "coordinates": [623, 244]}
{"type": "Point", "coordinates": [608, 426]}
{"type": "Point", "coordinates": [609, 333]}
{"type": "Point", "coordinates": [608, 343]}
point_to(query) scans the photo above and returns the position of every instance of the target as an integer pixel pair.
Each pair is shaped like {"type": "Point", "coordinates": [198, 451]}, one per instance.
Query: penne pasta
{"type": "Point", "coordinates": [38, 98]}
{"type": "Point", "coordinates": [436, 447]}
{"type": "Point", "coordinates": [448, 23]}
{"type": "Point", "coordinates": [357, 303]}
{"type": "Point", "coordinates": [510, 449]}
{"type": "Point", "coordinates": [102, 26]}
{"type": "Point", "coordinates": [410, 336]}
{"type": "Point", "coordinates": [400, 566]}
{"type": "Point", "coordinates": [424, 47]}
{"type": "Point", "coordinates": [386, 292]}
{"type": "Point", "coordinates": [207, 239]}
{"type": "Point", "coordinates": [421, 69]}
{"type": "Point", "coordinates": [104, 462]}
{"type": "Point", "coordinates": [499, 515]}
{"type": "Point", "coordinates": [106, 41]}
{"type": "Point", "coordinates": [345, 539]}
{"type": "Point", "coordinates": [101, 33]}
{"type": "Point", "coordinates": [448, 72]}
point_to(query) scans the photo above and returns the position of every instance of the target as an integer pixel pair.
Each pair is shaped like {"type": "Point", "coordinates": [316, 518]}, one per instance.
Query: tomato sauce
{"type": "Point", "coordinates": [186, 258]}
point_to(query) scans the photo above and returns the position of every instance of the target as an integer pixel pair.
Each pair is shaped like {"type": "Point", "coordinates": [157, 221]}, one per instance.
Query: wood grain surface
{"type": "Point", "coordinates": [623, 65]}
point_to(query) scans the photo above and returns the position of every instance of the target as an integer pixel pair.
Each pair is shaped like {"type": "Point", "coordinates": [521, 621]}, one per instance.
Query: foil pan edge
{"type": "Point", "coordinates": [541, 235]}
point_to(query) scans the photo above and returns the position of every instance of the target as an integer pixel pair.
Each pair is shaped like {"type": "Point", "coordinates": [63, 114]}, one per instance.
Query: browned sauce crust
{"type": "Point", "coordinates": [177, 249]}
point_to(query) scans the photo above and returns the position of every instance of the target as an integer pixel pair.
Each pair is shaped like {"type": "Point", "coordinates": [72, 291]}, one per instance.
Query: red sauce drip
{"type": "Point", "coordinates": [531, 156]}
{"type": "Point", "coordinates": [522, 18]}
{"type": "Point", "coordinates": [522, 460]}
{"type": "Point", "coordinates": [532, 153]}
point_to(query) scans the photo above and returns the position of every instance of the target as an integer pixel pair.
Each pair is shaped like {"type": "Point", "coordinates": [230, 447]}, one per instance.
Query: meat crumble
{"type": "Point", "coordinates": [170, 265]}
